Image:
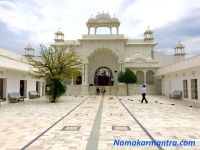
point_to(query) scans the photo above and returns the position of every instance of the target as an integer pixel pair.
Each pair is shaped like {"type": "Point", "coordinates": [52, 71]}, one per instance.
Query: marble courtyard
{"type": "Point", "coordinates": [94, 122]}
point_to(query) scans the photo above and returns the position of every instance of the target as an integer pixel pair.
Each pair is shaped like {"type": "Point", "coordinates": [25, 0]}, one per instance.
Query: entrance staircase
{"type": "Point", "coordinates": [109, 90]}
{"type": "Point", "coordinates": [122, 89]}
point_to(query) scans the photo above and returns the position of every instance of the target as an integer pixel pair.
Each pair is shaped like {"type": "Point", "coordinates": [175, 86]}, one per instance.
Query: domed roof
{"type": "Point", "coordinates": [137, 55]}
{"type": "Point", "coordinates": [59, 32]}
{"type": "Point", "coordinates": [179, 45]}
{"type": "Point", "coordinates": [149, 59]}
{"type": "Point", "coordinates": [103, 20]}
{"type": "Point", "coordinates": [114, 19]}
{"type": "Point", "coordinates": [103, 15]}
{"type": "Point", "coordinates": [128, 59]}
{"type": "Point", "coordinates": [91, 19]}
{"type": "Point", "coordinates": [29, 47]}
{"type": "Point", "coordinates": [148, 31]}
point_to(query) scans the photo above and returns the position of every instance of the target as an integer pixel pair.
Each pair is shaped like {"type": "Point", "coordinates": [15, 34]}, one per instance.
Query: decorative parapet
{"type": "Point", "coordinates": [102, 36]}
{"type": "Point", "coordinates": [145, 65]}
{"type": "Point", "coordinates": [140, 41]}
{"type": "Point", "coordinates": [182, 65]}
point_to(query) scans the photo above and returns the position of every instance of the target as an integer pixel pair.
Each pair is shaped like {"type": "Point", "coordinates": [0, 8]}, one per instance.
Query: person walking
{"type": "Point", "coordinates": [98, 89]}
{"type": "Point", "coordinates": [143, 91]}
{"type": "Point", "coordinates": [112, 81]}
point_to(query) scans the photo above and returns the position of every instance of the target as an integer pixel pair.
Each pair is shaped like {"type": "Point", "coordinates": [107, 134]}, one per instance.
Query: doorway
{"type": "Point", "coordinates": [103, 76]}
{"type": "Point", "coordinates": [38, 87]}
{"type": "Point", "coordinates": [1, 88]}
{"type": "Point", "coordinates": [194, 91]}
{"type": "Point", "coordinates": [170, 92]}
{"type": "Point", "coordinates": [21, 87]}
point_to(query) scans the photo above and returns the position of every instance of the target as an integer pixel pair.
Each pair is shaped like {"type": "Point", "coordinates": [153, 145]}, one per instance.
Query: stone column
{"type": "Point", "coordinates": [85, 89]}
{"type": "Point", "coordinates": [95, 31]}
{"type": "Point", "coordinates": [144, 77]}
{"type": "Point", "coordinates": [110, 30]}
{"type": "Point", "coordinates": [88, 31]}
{"type": "Point", "coordinates": [117, 30]}
{"type": "Point", "coordinates": [85, 74]}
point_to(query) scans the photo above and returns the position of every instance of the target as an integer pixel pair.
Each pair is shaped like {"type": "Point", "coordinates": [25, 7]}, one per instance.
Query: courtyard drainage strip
{"type": "Point", "coordinates": [143, 128]}
{"type": "Point", "coordinates": [27, 145]}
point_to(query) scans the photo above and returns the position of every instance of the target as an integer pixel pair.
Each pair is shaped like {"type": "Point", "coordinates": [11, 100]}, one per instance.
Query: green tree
{"type": "Point", "coordinates": [55, 64]}
{"type": "Point", "coordinates": [127, 77]}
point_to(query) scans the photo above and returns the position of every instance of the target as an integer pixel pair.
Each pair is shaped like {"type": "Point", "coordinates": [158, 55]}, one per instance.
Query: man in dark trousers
{"type": "Point", "coordinates": [143, 91]}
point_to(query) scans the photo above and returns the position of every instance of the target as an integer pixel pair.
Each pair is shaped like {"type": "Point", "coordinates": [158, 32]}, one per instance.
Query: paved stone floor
{"type": "Point", "coordinates": [94, 122]}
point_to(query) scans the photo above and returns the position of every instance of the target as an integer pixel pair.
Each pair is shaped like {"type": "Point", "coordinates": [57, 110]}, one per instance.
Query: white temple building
{"type": "Point", "coordinates": [104, 56]}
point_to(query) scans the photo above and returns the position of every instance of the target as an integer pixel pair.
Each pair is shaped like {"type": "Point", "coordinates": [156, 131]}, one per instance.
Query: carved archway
{"type": "Point", "coordinates": [102, 76]}
{"type": "Point", "coordinates": [140, 76]}
{"type": "Point", "coordinates": [102, 57]}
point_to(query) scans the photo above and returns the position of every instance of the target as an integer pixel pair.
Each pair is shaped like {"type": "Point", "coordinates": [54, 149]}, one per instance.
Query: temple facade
{"type": "Point", "coordinates": [105, 55]}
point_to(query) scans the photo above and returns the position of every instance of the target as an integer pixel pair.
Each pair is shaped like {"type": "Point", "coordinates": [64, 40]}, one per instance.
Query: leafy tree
{"type": "Point", "coordinates": [55, 64]}
{"type": "Point", "coordinates": [127, 77]}
{"type": "Point", "coordinates": [120, 77]}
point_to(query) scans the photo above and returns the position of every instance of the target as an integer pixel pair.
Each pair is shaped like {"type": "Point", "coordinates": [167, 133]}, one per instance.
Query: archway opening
{"type": "Point", "coordinates": [140, 77]}
{"type": "Point", "coordinates": [150, 77]}
{"type": "Point", "coordinates": [103, 30]}
{"type": "Point", "coordinates": [103, 76]}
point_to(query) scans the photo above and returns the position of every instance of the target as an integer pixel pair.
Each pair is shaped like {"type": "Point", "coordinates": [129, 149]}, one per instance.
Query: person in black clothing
{"type": "Point", "coordinates": [143, 91]}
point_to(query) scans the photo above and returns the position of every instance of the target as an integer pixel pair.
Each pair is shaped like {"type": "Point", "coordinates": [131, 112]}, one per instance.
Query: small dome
{"type": "Point", "coordinates": [128, 59]}
{"type": "Point", "coordinates": [59, 32]}
{"type": "Point", "coordinates": [91, 19]}
{"type": "Point", "coordinates": [148, 31]}
{"type": "Point", "coordinates": [179, 45]}
{"type": "Point", "coordinates": [136, 55]}
{"type": "Point", "coordinates": [114, 19]}
{"type": "Point", "coordinates": [29, 47]}
{"type": "Point", "coordinates": [149, 59]}
{"type": "Point", "coordinates": [103, 15]}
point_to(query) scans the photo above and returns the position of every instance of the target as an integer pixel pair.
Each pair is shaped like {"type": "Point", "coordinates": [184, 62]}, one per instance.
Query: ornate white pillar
{"type": "Point", "coordinates": [110, 30]}
{"type": "Point", "coordinates": [95, 30]}
{"type": "Point", "coordinates": [117, 30]}
{"type": "Point", "coordinates": [144, 77]}
{"type": "Point", "coordinates": [88, 31]}
{"type": "Point", "coordinates": [85, 74]}
{"type": "Point", "coordinates": [84, 85]}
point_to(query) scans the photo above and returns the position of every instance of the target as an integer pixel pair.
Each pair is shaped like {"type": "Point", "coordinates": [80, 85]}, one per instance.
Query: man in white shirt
{"type": "Point", "coordinates": [98, 89]}
{"type": "Point", "coordinates": [112, 81]}
{"type": "Point", "coordinates": [143, 91]}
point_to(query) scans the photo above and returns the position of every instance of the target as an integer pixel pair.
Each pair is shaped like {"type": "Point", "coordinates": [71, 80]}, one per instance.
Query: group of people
{"type": "Point", "coordinates": [104, 80]}
{"type": "Point", "coordinates": [103, 89]}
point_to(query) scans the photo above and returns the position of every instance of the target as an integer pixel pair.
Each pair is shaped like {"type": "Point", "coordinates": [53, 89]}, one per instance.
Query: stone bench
{"type": "Point", "coordinates": [177, 94]}
{"type": "Point", "coordinates": [15, 97]}
{"type": "Point", "coordinates": [33, 94]}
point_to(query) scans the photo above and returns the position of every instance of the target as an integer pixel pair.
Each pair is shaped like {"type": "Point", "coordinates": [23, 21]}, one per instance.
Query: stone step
{"type": "Point", "coordinates": [109, 90]}
{"type": "Point", "coordinates": [115, 90]}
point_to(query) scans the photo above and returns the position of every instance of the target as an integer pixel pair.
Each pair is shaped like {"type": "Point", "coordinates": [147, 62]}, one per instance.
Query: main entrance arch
{"type": "Point", "coordinates": [102, 59]}
{"type": "Point", "coordinates": [103, 76]}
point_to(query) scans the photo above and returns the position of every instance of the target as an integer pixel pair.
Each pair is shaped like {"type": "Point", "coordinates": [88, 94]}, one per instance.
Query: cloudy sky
{"type": "Point", "coordinates": [36, 21]}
